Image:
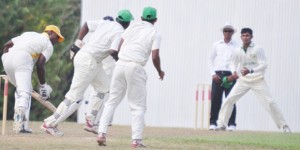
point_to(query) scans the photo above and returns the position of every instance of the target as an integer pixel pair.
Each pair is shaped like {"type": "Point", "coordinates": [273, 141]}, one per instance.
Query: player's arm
{"type": "Point", "coordinates": [115, 48]}
{"type": "Point", "coordinates": [40, 68]}
{"type": "Point", "coordinates": [79, 43]}
{"type": "Point", "coordinates": [261, 60]}
{"type": "Point", "coordinates": [156, 63]}
{"type": "Point", "coordinates": [7, 45]}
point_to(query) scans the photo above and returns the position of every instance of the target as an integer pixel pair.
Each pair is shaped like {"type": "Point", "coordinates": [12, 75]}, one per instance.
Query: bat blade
{"type": "Point", "coordinates": [45, 103]}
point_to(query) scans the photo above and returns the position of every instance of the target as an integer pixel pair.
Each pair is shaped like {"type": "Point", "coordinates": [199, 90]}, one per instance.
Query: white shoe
{"type": "Point", "coordinates": [52, 130]}
{"type": "Point", "coordinates": [90, 127]}
{"type": "Point", "coordinates": [101, 139]}
{"type": "Point", "coordinates": [231, 128]}
{"type": "Point", "coordinates": [212, 127]}
{"type": "Point", "coordinates": [286, 129]}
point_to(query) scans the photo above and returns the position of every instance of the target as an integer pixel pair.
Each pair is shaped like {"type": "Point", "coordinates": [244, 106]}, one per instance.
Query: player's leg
{"type": "Point", "coordinates": [231, 122]}
{"type": "Point", "coordinates": [261, 90]}
{"type": "Point", "coordinates": [84, 73]}
{"type": "Point", "coordinates": [116, 93]}
{"type": "Point", "coordinates": [95, 109]}
{"type": "Point", "coordinates": [136, 79]}
{"type": "Point", "coordinates": [23, 101]}
{"type": "Point", "coordinates": [239, 89]}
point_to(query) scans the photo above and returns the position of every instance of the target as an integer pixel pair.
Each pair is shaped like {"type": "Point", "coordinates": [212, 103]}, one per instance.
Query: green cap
{"type": "Point", "coordinates": [125, 15]}
{"type": "Point", "coordinates": [225, 83]}
{"type": "Point", "coordinates": [149, 13]}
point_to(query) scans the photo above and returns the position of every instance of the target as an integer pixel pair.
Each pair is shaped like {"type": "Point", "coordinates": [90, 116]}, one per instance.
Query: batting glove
{"type": "Point", "coordinates": [75, 48]}
{"type": "Point", "coordinates": [45, 91]}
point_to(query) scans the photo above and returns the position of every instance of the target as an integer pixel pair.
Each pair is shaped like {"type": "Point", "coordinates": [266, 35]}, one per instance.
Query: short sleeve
{"type": "Point", "coordinates": [116, 41]}
{"type": "Point", "coordinates": [156, 42]}
{"type": "Point", "coordinates": [48, 52]}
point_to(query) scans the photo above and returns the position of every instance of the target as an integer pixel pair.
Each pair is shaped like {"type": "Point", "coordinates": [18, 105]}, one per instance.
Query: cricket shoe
{"type": "Point", "coordinates": [137, 144]}
{"type": "Point", "coordinates": [231, 128]}
{"type": "Point", "coordinates": [212, 127]}
{"type": "Point", "coordinates": [18, 124]}
{"type": "Point", "coordinates": [286, 129]}
{"type": "Point", "coordinates": [90, 127]}
{"type": "Point", "coordinates": [26, 131]}
{"type": "Point", "coordinates": [52, 130]}
{"type": "Point", "coordinates": [221, 128]}
{"type": "Point", "coordinates": [101, 139]}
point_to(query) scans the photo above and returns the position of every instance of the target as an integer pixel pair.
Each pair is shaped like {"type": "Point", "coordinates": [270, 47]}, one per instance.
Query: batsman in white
{"type": "Point", "coordinates": [138, 42]}
{"type": "Point", "coordinates": [20, 55]}
{"type": "Point", "coordinates": [96, 99]}
{"type": "Point", "coordinates": [88, 66]}
{"type": "Point", "coordinates": [251, 60]}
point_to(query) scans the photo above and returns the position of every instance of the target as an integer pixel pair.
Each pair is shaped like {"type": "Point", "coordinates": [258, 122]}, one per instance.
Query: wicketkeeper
{"type": "Point", "coordinates": [88, 66]}
{"type": "Point", "coordinates": [20, 55]}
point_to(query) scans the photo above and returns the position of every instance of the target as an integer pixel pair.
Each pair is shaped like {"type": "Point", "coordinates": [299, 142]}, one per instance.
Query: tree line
{"type": "Point", "coordinates": [18, 16]}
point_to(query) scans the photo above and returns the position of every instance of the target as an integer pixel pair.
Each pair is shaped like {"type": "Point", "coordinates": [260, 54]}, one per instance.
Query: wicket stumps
{"type": "Point", "coordinates": [205, 101]}
{"type": "Point", "coordinates": [5, 94]}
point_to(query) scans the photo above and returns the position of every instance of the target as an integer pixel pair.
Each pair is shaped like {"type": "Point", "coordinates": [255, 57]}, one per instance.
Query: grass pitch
{"type": "Point", "coordinates": [76, 138]}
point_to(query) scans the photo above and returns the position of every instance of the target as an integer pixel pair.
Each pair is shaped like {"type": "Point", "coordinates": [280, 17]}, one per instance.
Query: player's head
{"type": "Point", "coordinates": [247, 30]}
{"type": "Point", "coordinates": [124, 18]}
{"type": "Point", "coordinates": [54, 34]}
{"type": "Point", "coordinates": [110, 18]}
{"type": "Point", "coordinates": [149, 15]}
{"type": "Point", "coordinates": [246, 35]}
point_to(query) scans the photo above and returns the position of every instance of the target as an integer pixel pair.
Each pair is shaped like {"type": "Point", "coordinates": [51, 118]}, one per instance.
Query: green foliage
{"type": "Point", "coordinates": [18, 16]}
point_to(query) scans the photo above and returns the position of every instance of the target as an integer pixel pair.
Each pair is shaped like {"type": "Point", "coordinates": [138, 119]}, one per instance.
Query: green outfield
{"type": "Point", "coordinates": [155, 138]}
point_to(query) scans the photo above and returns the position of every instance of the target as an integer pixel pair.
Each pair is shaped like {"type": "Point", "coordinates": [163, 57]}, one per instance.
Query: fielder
{"type": "Point", "coordinates": [88, 66]}
{"type": "Point", "coordinates": [20, 55]}
{"type": "Point", "coordinates": [138, 42]}
{"type": "Point", "coordinates": [253, 63]}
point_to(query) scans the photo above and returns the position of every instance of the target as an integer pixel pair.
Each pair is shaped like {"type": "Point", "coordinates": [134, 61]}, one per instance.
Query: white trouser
{"type": "Point", "coordinates": [131, 77]}
{"type": "Point", "coordinates": [260, 89]}
{"type": "Point", "coordinates": [97, 99]}
{"type": "Point", "coordinates": [87, 70]}
{"type": "Point", "coordinates": [18, 66]}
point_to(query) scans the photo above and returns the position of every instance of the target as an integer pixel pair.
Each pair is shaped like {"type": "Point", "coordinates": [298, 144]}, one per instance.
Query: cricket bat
{"type": "Point", "coordinates": [45, 103]}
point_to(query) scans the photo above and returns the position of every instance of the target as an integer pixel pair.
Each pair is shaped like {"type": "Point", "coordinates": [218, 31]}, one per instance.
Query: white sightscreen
{"type": "Point", "coordinates": [188, 30]}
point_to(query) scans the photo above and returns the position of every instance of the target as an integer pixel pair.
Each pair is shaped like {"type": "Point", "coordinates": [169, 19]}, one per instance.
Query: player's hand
{"type": "Point", "coordinates": [161, 75]}
{"type": "Point", "coordinates": [45, 91]}
{"type": "Point", "coordinates": [75, 48]}
{"type": "Point", "coordinates": [245, 71]}
{"type": "Point", "coordinates": [216, 78]}
{"type": "Point", "coordinates": [232, 77]}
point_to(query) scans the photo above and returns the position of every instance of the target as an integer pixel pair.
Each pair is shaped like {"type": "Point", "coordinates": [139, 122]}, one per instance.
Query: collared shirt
{"type": "Point", "coordinates": [34, 43]}
{"type": "Point", "coordinates": [106, 35]}
{"type": "Point", "coordinates": [254, 59]}
{"type": "Point", "coordinates": [139, 40]}
{"type": "Point", "coordinates": [220, 56]}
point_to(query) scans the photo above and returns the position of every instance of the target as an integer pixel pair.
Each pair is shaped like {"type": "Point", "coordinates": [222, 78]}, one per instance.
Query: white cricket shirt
{"type": "Point", "coordinates": [33, 43]}
{"type": "Point", "coordinates": [254, 58]}
{"type": "Point", "coordinates": [220, 56]}
{"type": "Point", "coordinates": [139, 40]}
{"type": "Point", "coordinates": [102, 39]}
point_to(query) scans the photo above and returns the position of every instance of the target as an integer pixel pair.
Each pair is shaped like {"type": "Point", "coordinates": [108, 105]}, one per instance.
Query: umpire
{"type": "Point", "coordinates": [219, 67]}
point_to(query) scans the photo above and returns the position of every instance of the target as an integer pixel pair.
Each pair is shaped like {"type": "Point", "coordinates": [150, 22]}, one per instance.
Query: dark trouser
{"type": "Point", "coordinates": [216, 100]}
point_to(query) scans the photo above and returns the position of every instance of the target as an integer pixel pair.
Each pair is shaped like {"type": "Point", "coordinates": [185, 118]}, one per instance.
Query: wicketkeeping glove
{"type": "Point", "coordinates": [75, 48]}
{"type": "Point", "coordinates": [225, 83]}
{"type": "Point", "coordinates": [45, 91]}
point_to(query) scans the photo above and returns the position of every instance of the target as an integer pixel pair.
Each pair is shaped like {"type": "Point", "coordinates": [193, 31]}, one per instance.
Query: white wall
{"type": "Point", "coordinates": [188, 29]}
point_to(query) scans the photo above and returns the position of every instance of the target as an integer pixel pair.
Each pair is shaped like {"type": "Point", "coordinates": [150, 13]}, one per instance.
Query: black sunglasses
{"type": "Point", "coordinates": [228, 31]}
